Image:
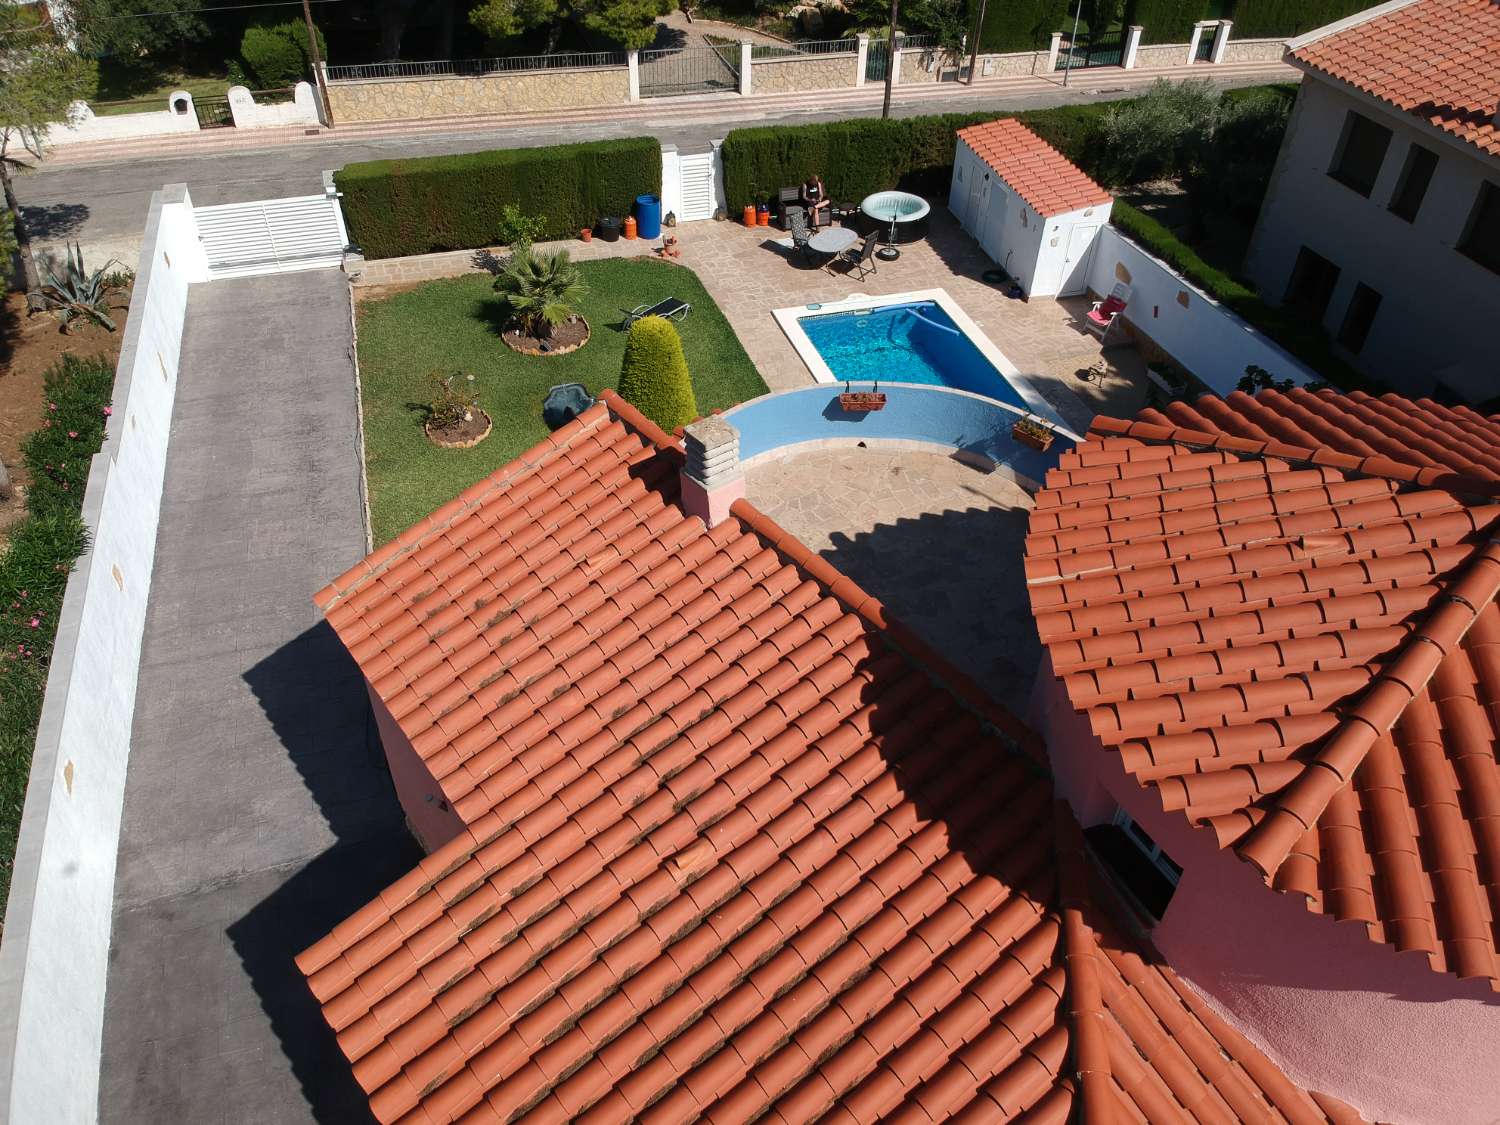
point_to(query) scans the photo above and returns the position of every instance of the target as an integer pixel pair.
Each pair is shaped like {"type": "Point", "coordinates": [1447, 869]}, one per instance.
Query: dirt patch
{"type": "Point", "coordinates": [29, 345]}
{"type": "Point", "coordinates": [566, 337]}
{"type": "Point", "coordinates": [466, 433]}
{"type": "Point", "coordinates": [365, 293]}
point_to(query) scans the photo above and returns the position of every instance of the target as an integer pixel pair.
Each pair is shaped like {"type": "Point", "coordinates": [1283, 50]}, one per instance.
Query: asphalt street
{"type": "Point", "coordinates": [104, 205]}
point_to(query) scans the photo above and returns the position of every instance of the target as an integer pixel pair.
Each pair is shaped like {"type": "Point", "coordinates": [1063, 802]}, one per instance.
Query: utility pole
{"type": "Point", "coordinates": [974, 51]}
{"type": "Point", "coordinates": [1068, 66]}
{"type": "Point", "coordinates": [317, 61]}
{"type": "Point", "coordinates": [890, 59]}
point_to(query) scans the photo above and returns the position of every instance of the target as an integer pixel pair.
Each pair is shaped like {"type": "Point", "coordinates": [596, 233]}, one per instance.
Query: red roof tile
{"type": "Point", "coordinates": [1434, 58]}
{"type": "Point", "coordinates": [1049, 182]}
{"type": "Point", "coordinates": [1300, 651]}
{"type": "Point", "coordinates": [729, 854]}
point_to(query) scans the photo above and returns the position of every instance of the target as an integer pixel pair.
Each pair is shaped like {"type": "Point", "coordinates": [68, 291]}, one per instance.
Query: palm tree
{"type": "Point", "coordinates": [540, 290]}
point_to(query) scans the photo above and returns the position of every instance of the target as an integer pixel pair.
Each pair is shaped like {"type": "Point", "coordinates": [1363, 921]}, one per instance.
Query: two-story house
{"type": "Point", "coordinates": [1382, 220]}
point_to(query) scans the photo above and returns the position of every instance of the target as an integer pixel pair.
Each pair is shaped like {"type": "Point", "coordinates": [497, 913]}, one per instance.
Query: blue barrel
{"type": "Point", "coordinates": [648, 216]}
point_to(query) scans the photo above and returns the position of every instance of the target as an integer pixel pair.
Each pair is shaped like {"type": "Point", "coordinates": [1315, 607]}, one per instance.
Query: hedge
{"type": "Point", "coordinates": [1022, 25]}
{"type": "Point", "coordinates": [1273, 19]}
{"type": "Point", "coordinates": [34, 569]}
{"type": "Point", "coordinates": [417, 206]}
{"type": "Point", "coordinates": [1167, 21]}
{"type": "Point", "coordinates": [1303, 339]}
{"type": "Point", "coordinates": [856, 158]}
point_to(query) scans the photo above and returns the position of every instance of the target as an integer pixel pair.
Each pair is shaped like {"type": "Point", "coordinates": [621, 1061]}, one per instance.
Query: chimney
{"type": "Point", "coordinates": [712, 478]}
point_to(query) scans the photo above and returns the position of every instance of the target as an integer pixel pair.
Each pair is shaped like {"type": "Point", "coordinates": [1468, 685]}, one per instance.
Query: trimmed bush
{"type": "Point", "coordinates": [417, 206]}
{"type": "Point", "coordinates": [1023, 25]}
{"type": "Point", "coordinates": [1169, 21]}
{"type": "Point", "coordinates": [35, 565]}
{"type": "Point", "coordinates": [275, 54]}
{"type": "Point", "coordinates": [654, 375]}
{"type": "Point", "coordinates": [1271, 19]}
{"type": "Point", "coordinates": [1303, 339]}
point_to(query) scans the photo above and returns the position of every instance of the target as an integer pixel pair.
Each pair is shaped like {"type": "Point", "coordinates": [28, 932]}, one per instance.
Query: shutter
{"type": "Point", "coordinates": [272, 236]}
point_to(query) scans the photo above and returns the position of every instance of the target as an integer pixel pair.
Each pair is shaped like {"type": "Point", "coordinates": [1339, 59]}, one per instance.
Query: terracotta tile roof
{"type": "Point", "coordinates": [1047, 180]}
{"type": "Point", "coordinates": [729, 853]}
{"type": "Point", "coordinates": [1449, 446]}
{"type": "Point", "coordinates": [1435, 59]}
{"type": "Point", "coordinates": [1299, 649]}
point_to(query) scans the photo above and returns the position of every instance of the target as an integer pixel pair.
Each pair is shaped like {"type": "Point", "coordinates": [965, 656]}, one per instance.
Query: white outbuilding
{"type": "Point", "coordinates": [1031, 209]}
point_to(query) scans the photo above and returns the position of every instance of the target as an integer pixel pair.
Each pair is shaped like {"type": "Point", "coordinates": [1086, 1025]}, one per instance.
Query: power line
{"type": "Point", "coordinates": [194, 11]}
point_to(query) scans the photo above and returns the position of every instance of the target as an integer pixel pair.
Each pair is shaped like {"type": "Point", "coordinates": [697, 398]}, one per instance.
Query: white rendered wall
{"type": "Point", "coordinates": [55, 953]}
{"type": "Point", "coordinates": [301, 110]}
{"type": "Point", "coordinates": [1194, 329]}
{"type": "Point", "coordinates": [1438, 312]}
{"type": "Point", "coordinates": [84, 126]}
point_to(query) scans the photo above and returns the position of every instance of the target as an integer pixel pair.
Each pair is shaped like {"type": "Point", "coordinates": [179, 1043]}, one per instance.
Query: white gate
{"type": "Point", "coordinates": [701, 193]}
{"type": "Point", "coordinates": [305, 232]}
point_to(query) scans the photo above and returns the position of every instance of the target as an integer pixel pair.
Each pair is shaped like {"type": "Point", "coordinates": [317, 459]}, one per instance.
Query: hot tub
{"type": "Point", "coordinates": [910, 212]}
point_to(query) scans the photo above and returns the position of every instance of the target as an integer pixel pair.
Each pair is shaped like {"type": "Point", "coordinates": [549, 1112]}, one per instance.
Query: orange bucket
{"type": "Point", "coordinates": [630, 226]}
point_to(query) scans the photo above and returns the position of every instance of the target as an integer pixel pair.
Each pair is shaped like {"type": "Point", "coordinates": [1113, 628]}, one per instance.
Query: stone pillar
{"type": "Point", "coordinates": [1221, 40]}
{"type": "Point", "coordinates": [1132, 45]}
{"type": "Point", "coordinates": [712, 479]}
{"type": "Point", "coordinates": [895, 59]}
{"type": "Point", "coordinates": [1053, 50]}
{"type": "Point", "coordinates": [861, 58]}
{"type": "Point", "coordinates": [633, 65]}
{"type": "Point", "coordinates": [747, 51]}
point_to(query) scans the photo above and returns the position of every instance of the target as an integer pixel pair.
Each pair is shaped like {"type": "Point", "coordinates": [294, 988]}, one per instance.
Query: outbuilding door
{"type": "Point", "coordinates": [699, 176]}
{"type": "Point", "coordinates": [1074, 277]}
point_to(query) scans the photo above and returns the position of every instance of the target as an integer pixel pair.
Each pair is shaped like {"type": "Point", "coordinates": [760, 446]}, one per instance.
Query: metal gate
{"type": "Point", "coordinates": [304, 232]}
{"type": "Point", "coordinates": [1091, 50]}
{"type": "Point", "coordinates": [877, 58]}
{"type": "Point", "coordinates": [698, 177]}
{"type": "Point", "coordinates": [690, 70]}
{"type": "Point", "coordinates": [1206, 38]}
{"type": "Point", "coordinates": [213, 111]}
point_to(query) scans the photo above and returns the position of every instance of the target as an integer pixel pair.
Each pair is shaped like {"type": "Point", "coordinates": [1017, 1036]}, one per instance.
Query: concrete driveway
{"type": "Point", "coordinates": [254, 770]}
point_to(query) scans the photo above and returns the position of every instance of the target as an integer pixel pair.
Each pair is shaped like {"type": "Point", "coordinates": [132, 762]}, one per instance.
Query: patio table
{"type": "Point", "coordinates": [834, 240]}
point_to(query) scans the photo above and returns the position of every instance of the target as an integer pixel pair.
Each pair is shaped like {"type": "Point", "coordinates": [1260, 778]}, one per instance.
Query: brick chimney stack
{"type": "Point", "coordinates": [712, 479]}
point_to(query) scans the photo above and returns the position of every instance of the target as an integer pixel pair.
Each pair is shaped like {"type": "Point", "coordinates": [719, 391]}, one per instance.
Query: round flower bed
{"type": "Point", "coordinates": [567, 337]}
{"type": "Point", "coordinates": [465, 434]}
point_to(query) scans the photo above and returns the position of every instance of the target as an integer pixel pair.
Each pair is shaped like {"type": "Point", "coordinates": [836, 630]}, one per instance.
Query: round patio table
{"type": "Point", "coordinates": [834, 240]}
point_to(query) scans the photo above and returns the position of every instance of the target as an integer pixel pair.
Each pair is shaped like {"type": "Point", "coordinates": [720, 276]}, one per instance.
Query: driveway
{"type": "Point", "coordinates": [258, 810]}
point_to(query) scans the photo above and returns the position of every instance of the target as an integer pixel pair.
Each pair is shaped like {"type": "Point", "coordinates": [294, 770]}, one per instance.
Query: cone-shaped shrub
{"type": "Point", "coordinates": [654, 377]}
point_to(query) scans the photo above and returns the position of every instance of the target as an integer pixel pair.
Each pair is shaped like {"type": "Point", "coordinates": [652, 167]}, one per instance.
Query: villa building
{"type": "Point", "coordinates": [1382, 220]}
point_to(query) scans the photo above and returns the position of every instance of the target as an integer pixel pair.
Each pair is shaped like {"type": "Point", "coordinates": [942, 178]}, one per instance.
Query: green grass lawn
{"type": "Point", "coordinates": [148, 88]}
{"type": "Point", "coordinates": [454, 325]}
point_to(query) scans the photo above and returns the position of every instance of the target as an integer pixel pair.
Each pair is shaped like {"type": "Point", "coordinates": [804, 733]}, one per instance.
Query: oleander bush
{"type": "Point", "coordinates": [654, 374]}
{"type": "Point", "coordinates": [424, 204]}
{"type": "Point", "coordinates": [37, 556]}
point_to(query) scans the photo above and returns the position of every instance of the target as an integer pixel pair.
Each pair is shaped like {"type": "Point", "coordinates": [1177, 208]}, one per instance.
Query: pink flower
{"type": "Point", "coordinates": [36, 622]}
{"type": "Point", "coordinates": [52, 406]}
{"type": "Point", "coordinates": [108, 410]}
{"type": "Point", "coordinates": [72, 433]}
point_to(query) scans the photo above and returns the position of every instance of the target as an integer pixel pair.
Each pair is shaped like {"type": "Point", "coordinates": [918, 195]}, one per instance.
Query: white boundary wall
{"type": "Point", "coordinates": [1185, 322]}
{"type": "Point", "coordinates": [55, 955]}
{"type": "Point", "coordinates": [83, 125]}
{"type": "Point", "coordinates": [301, 110]}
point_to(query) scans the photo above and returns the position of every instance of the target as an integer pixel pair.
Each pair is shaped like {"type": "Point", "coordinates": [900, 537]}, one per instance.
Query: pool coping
{"type": "Point", "coordinates": [789, 319]}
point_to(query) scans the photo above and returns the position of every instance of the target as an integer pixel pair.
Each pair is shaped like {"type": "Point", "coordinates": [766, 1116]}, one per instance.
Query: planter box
{"type": "Point", "coordinates": [1028, 437]}
{"type": "Point", "coordinates": [861, 402]}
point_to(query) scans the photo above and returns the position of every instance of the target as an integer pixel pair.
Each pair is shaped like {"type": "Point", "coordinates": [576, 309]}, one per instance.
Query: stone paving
{"type": "Point", "coordinates": [750, 272]}
{"type": "Point", "coordinates": [937, 541]}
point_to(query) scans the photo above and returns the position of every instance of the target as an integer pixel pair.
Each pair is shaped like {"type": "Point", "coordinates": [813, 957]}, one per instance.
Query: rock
{"type": "Point", "coordinates": [6, 491]}
{"type": "Point", "coordinates": [812, 20]}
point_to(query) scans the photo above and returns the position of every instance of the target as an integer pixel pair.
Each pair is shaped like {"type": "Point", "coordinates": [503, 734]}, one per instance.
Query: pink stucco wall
{"type": "Point", "coordinates": [1338, 1012]}
{"type": "Point", "coordinates": [431, 819]}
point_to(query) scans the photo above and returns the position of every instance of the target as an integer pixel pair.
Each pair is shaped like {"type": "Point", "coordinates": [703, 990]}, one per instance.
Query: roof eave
{"type": "Point", "coordinates": [1347, 23]}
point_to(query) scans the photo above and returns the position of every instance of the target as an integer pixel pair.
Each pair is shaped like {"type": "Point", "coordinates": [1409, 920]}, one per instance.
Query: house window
{"type": "Point", "coordinates": [1416, 174]}
{"type": "Point", "coordinates": [1136, 862]}
{"type": "Point", "coordinates": [1313, 280]}
{"type": "Point", "coordinates": [1358, 318]}
{"type": "Point", "coordinates": [1361, 152]}
{"type": "Point", "coordinates": [1481, 240]}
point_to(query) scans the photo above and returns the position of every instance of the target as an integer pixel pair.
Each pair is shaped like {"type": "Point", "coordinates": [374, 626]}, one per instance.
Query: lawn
{"type": "Point", "coordinates": [140, 89]}
{"type": "Point", "coordinates": [453, 325]}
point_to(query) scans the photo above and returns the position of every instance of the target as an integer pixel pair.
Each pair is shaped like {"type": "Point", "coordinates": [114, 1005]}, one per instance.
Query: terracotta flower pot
{"type": "Point", "coordinates": [587, 234]}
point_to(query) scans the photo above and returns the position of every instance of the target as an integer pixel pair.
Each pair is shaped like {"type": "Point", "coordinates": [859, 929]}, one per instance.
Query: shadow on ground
{"type": "Point", "coordinates": [303, 687]}
{"type": "Point", "coordinates": [55, 221]}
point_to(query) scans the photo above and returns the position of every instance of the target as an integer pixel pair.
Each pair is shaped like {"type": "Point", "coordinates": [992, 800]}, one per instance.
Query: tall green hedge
{"type": "Point", "coordinates": [1167, 21]}
{"type": "Point", "coordinates": [867, 155]}
{"type": "Point", "coordinates": [1268, 19]}
{"type": "Point", "coordinates": [1022, 25]}
{"type": "Point", "coordinates": [416, 206]}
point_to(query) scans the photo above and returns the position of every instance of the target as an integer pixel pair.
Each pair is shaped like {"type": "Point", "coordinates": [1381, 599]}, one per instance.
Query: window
{"type": "Point", "coordinates": [1313, 280]}
{"type": "Point", "coordinates": [1416, 174]}
{"type": "Point", "coordinates": [1136, 862]}
{"type": "Point", "coordinates": [1481, 240]}
{"type": "Point", "coordinates": [1358, 318]}
{"type": "Point", "coordinates": [1361, 152]}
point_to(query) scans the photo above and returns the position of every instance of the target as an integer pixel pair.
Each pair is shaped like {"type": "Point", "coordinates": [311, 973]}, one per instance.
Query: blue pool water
{"type": "Point", "coordinates": [911, 343]}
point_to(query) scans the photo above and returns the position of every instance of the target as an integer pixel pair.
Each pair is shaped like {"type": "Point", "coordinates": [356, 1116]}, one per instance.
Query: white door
{"type": "Point", "coordinates": [699, 176]}
{"type": "Point", "coordinates": [305, 232]}
{"type": "Point", "coordinates": [1073, 279]}
{"type": "Point", "coordinates": [994, 226]}
{"type": "Point", "coordinates": [979, 207]}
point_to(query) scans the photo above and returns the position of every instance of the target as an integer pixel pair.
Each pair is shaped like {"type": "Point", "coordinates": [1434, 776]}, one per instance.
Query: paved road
{"type": "Point", "coordinates": [105, 204]}
{"type": "Point", "coordinates": [258, 810]}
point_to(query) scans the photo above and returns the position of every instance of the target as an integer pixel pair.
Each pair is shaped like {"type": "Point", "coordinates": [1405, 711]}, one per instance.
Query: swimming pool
{"type": "Point", "coordinates": [909, 342]}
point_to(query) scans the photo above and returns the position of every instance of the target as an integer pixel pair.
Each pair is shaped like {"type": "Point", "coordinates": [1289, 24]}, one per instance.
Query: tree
{"type": "Point", "coordinates": [631, 23]}
{"type": "Point", "coordinates": [275, 54]}
{"type": "Point", "coordinates": [540, 290]}
{"type": "Point", "coordinates": [40, 79]}
{"type": "Point", "coordinates": [654, 376]}
{"type": "Point", "coordinates": [110, 27]}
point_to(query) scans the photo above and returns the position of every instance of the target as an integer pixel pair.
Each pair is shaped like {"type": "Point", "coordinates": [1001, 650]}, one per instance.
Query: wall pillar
{"type": "Point", "coordinates": [747, 55]}
{"type": "Point", "coordinates": [1221, 40]}
{"type": "Point", "coordinates": [861, 58]}
{"type": "Point", "coordinates": [633, 66]}
{"type": "Point", "coordinates": [1132, 45]}
{"type": "Point", "coordinates": [1192, 51]}
{"type": "Point", "coordinates": [895, 59]}
{"type": "Point", "coordinates": [1053, 50]}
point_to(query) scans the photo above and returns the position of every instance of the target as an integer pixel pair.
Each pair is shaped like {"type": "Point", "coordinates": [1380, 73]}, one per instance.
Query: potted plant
{"type": "Point", "coordinates": [1033, 432]}
{"type": "Point", "coordinates": [540, 292]}
{"type": "Point", "coordinates": [454, 418]}
{"type": "Point", "coordinates": [861, 402]}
